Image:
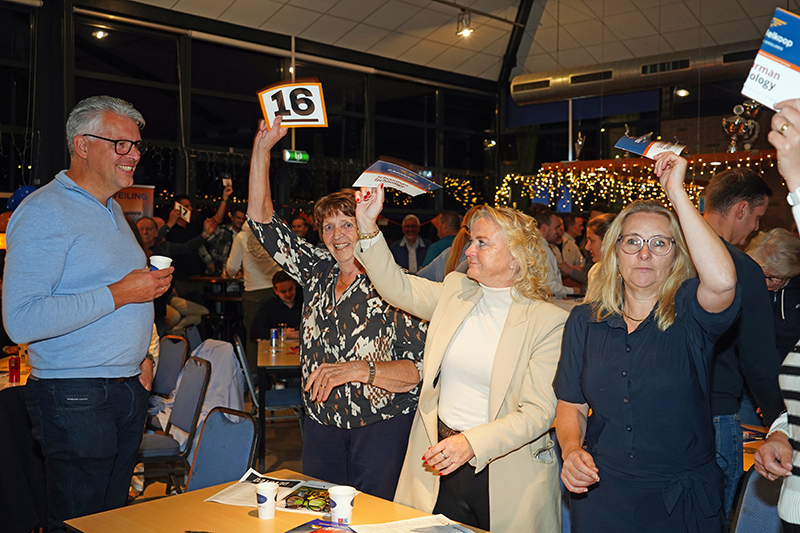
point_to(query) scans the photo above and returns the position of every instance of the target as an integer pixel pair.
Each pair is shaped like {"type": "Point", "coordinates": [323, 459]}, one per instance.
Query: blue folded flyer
{"type": "Point", "coordinates": [646, 147]}
{"type": "Point", "coordinates": [775, 75]}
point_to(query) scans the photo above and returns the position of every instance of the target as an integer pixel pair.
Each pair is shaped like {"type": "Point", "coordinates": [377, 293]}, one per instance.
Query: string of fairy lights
{"type": "Point", "coordinates": [620, 181]}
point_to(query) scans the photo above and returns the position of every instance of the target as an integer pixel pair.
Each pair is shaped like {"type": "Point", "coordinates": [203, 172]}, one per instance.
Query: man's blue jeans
{"type": "Point", "coordinates": [90, 431]}
{"type": "Point", "coordinates": [728, 442]}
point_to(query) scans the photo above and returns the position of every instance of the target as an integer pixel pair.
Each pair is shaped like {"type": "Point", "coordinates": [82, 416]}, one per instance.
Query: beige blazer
{"type": "Point", "coordinates": [524, 493]}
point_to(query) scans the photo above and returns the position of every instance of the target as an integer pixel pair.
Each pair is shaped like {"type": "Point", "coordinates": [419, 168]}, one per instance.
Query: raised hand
{"type": "Point", "coordinates": [785, 137]}
{"type": "Point", "coordinates": [369, 204]}
{"type": "Point", "coordinates": [259, 207]}
{"type": "Point", "coordinates": [671, 171]}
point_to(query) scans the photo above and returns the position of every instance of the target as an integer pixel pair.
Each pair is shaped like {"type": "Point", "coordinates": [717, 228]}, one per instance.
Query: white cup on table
{"type": "Point", "coordinates": [267, 498]}
{"type": "Point", "coordinates": [342, 498]}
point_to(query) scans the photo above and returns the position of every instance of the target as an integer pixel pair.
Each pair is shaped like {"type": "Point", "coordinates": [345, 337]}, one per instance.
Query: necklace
{"type": "Point", "coordinates": [633, 319]}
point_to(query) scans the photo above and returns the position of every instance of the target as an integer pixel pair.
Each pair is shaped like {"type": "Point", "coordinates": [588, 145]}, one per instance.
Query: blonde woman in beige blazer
{"type": "Point", "coordinates": [509, 456]}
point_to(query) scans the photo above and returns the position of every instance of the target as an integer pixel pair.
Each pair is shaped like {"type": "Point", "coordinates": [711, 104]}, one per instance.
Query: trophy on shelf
{"type": "Point", "coordinates": [627, 154]}
{"type": "Point", "coordinates": [579, 145]}
{"type": "Point", "coordinates": [743, 126]}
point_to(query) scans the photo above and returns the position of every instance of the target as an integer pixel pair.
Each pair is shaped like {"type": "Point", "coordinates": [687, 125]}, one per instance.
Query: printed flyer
{"type": "Point", "coordinates": [775, 74]}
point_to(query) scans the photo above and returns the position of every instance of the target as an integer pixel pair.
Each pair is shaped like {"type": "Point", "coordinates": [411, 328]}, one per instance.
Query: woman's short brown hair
{"type": "Point", "coordinates": [342, 202]}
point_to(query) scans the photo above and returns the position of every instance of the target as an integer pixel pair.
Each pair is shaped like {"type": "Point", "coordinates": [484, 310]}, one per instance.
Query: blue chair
{"type": "Point", "coordinates": [566, 522]}
{"type": "Point", "coordinates": [224, 450]}
{"type": "Point", "coordinates": [756, 508]}
{"type": "Point", "coordinates": [164, 451]}
{"type": "Point", "coordinates": [172, 355]}
{"type": "Point", "coordinates": [192, 334]}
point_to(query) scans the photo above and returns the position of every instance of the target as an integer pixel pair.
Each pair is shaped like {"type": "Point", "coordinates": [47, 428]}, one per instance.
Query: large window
{"type": "Point", "coordinates": [18, 141]}
{"type": "Point", "coordinates": [199, 99]}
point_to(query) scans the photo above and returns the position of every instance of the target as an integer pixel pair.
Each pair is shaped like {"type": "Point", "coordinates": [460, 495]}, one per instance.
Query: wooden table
{"type": "Point", "coordinates": [751, 447]}
{"type": "Point", "coordinates": [283, 360]}
{"type": "Point", "coordinates": [188, 512]}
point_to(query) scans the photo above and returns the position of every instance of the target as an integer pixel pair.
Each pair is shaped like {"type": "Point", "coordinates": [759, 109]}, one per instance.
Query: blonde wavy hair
{"type": "Point", "coordinates": [525, 244]}
{"type": "Point", "coordinates": [606, 292]}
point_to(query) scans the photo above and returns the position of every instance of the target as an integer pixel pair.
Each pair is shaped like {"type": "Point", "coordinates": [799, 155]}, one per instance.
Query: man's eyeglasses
{"type": "Point", "coordinates": [774, 279]}
{"type": "Point", "coordinates": [123, 146]}
{"type": "Point", "coordinates": [658, 245]}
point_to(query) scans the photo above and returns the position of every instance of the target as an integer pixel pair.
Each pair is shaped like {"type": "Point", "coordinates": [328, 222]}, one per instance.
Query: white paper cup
{"type": "Point", "coordinates": [266, 496]}
{"type": "Point", "coordinates": [160, 262]}
{"type": "Point", "coordinates": [342, 498]}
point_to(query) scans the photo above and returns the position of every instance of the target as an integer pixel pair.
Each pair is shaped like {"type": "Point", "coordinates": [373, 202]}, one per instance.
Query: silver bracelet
{"type": "Point", "coordinates": [371, 377]}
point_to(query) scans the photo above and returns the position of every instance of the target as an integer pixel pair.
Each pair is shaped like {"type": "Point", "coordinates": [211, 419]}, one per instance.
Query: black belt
{"type": "Point", "coordinates": [99, 380]}
{"type": "Point", "coordinates": [446, 431]}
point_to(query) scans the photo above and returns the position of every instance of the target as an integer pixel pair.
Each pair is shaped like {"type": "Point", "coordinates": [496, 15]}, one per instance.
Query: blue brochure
{"type": "Point", "coordinates": [775, 75]}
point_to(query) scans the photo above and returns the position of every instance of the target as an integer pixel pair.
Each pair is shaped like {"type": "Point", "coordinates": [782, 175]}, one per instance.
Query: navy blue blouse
{"type": "Point", "coordinates": [649, 390]}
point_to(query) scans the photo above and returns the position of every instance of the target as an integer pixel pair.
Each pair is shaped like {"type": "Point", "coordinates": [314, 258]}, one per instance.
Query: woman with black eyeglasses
{"type": "Point", "coordinates": [638, 354]}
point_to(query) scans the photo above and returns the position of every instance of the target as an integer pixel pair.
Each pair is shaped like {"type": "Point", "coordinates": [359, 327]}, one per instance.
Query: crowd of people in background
{"type": "Point", "coordinates": [433, 370]}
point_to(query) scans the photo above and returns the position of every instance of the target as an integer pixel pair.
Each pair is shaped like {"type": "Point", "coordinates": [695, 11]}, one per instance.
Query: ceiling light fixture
{"type": "Point", "coordinates": [463, 26]}
{"type": "Point", "coordinates": [683, 93]}
{"type": "Point", "coordinates": [99, 34]}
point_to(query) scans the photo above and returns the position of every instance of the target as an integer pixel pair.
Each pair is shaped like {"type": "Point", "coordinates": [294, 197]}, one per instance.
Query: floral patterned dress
{"type": "Point", "coordinates": [359, 326]}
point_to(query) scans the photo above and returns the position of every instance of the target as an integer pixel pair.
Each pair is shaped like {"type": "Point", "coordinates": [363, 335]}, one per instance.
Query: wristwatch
{"type": "Point", "coordinates": [371, 372]}
{"type": "Point", "coordinates": [150, 356]}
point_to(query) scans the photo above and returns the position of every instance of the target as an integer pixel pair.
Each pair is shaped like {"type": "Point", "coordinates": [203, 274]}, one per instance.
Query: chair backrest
{"type": "Point", "coordinates": [224, 450]}
{"type": "Point", "coordinates": [192, 334]}
{"type": "Point", "coordinates": [189, 398]}
{"type": "Point", "coordinates": [238, 349]}
{"type": "Point", "coordinates": [756, 508]}
{"type": "Point", "coordinates": [172, 355]}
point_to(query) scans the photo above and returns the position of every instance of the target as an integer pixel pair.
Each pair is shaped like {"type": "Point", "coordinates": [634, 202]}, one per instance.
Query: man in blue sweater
{"type": "Point", "coordinates": [77, 288]}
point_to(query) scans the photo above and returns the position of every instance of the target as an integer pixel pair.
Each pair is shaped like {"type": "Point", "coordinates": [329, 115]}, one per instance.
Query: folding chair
{"type": "Point", "coordinates": [756, 508]}
{"type": "Point", "coordinates": [238, 348]}
{"type": "Point", "coordinates": [163, 449]}
{"type": "Point", "coordinates": [224, 450]}
{"type": "Point", "coordinates": [172, 355]}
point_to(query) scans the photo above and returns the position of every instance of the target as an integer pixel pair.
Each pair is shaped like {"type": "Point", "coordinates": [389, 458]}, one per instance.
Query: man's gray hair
{"type": "Point", "coordinates": [89, 112]}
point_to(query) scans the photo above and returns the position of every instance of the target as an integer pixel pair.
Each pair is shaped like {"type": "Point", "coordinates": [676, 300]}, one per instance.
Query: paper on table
{"type": "Point", "coordinates": [243, 493]}
{"type": "Point", "coordinates": [425, 524]}
{"type": "Point", "coordinates": [395, 176]}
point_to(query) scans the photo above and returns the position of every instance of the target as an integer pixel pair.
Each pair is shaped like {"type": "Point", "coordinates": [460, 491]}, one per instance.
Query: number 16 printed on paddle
{"type": "Point", "coordinates": [300, 104]}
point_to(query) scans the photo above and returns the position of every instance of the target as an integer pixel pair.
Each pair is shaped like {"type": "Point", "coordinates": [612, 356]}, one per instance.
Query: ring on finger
{"type": "Point", "coordinates": [784, 127]}
{"type": "Point", "coordinates": [443, 455]}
